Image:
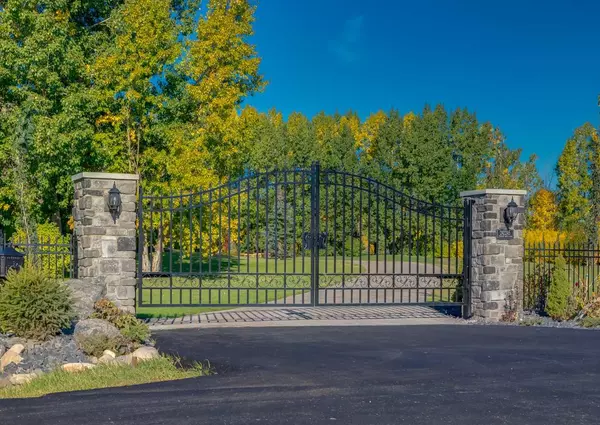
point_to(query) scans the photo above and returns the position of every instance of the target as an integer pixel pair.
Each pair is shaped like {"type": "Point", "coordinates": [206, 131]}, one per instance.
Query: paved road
{"type": "Point", "coordinates": [363, 375]}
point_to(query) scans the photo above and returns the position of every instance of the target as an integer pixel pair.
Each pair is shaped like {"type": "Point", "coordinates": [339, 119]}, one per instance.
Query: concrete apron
{"type": "Point", "coordinates": [308, 316]}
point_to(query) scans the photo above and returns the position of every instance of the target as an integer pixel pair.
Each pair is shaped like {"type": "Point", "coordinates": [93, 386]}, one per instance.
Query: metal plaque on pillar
{"type": "Point", "coordinates": [505, 234]}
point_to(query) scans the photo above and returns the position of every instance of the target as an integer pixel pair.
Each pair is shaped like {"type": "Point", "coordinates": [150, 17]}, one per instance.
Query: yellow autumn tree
{"type": "Point", "coordinates": [224, 68]}
{"type": "Point", "coordinates": [543, 218]}
{"type": "Point", "coordinates": [369, 130]}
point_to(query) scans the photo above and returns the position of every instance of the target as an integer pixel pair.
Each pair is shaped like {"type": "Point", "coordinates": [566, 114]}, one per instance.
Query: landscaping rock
{"type": "Point", "coordinates": [127, 359]}
{"type": "Point", "coordinates": [17, 348]}
{"type": "Point", "coordinates": [77, 367]}
{"type": "Point", "coordinates": [109, 353]}
{"type": "Point", "coordinates": [5, 382]}
{"type": "Point", "coordinates": [107, 357]}
{"type": "Point", "coordinates": [84, 294]}
{"type": "Point", "coordinates": [94, 333]}
{"type": "Point", "coordinates": [46, 356]}
{"type": "Point", "coordinates": [24, 378]}
{"type": "Point", "coordinates": [146, 353]}
{"type": "Point", "coordinates": [12, 356]}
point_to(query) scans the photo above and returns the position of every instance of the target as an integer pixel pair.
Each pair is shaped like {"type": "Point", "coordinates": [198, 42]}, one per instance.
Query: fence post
{"type": "Point", "coordinates": [496, 252]}
{"type": "Point", "coordinates": [106, 245]}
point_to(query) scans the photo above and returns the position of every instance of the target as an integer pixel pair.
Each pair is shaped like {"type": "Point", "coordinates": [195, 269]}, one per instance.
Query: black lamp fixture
{"type": "Point", "coordinates": [114, 202]}
{"type": "Point", "coordinates": [510, 213]}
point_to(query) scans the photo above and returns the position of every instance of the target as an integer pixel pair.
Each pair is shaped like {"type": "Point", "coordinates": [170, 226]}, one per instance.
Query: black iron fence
{"type": "Point", "coordinates": [57, 256]}
{"type": "Point", "coordinates": [583, 271]}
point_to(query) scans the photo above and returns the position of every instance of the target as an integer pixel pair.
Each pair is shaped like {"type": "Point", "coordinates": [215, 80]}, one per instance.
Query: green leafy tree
{"type": "Point", "coordinates": [505, 170]}
{"type": "Point", "coordinates": [574, 186]}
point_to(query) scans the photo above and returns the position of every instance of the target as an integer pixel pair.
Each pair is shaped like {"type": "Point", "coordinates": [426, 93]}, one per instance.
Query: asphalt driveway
{"type": "Point", "coordinates": [480, 375]}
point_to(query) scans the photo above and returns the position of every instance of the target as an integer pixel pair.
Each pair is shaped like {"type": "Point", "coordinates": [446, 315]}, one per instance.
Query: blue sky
{"type": "Point", "coordinates": [529, 67]}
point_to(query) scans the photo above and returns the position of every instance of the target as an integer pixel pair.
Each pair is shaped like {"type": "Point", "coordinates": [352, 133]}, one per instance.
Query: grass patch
{"type": "Point", "coordinates": [172, 312]}
{"type": "Point", "coordinates": [105, 376]}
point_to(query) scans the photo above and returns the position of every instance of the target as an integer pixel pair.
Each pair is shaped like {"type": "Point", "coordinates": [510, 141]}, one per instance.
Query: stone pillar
{"type": "Point", "coordinates": [497, 260]}
{"type": "Point", "coordinates": [106, 248]}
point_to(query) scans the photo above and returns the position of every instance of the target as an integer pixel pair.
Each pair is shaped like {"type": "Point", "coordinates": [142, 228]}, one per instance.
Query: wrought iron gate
{"type": "Point", "coordinates": [301, 237]}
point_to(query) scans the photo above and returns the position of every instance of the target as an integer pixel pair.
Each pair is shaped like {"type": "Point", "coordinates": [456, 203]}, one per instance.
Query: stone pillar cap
{"type": "Point", "coordinates": [105, 176]}
{"type": "Point", "coordinates": [515, 192]}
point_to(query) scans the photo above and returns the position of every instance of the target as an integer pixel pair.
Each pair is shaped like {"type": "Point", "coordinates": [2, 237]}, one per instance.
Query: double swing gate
{"type": "Point", "coordinates": [301, 238]}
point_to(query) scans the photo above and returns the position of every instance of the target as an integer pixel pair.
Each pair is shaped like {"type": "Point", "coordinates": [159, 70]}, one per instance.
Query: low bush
{"type": "Point", "coordinates": [136, 331]}
{"type": "Point", "coordinates": [590, 322]}
{"type": "Point", "coordinates": [559, 306]}
{"type": "Point", "coordinates": [33, 305]}
{"type": "Point", "coordinates": [94, 345]}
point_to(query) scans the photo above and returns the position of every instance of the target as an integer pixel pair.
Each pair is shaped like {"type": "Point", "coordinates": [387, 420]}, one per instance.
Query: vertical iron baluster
{"type": "Point", "coordinates": [170, 249]}
{"type": "Point", "coordinates": [285, 242]}
{"type": "Point", "coordinates": [369, 232]}
{"type": "Point", "coordinates": [294, 224]}
{"type": "Point", "coordinates": [210, 240]}
{"type": "Point", "coordinates": [220, 238]}
{"type": "Point", "coordinates": [442, 239]}
{"type": "Point", "coordinates": [239, 228]}
{"type": "Point", "coordinates": [326, 184]}
{"type": "Point", "coordinates": [315, 192]}
{"type": "Point", "coordinates": [425, 237]}
{"type": "Point", "coordinates": [180, 232]}
{"type": "Point", "coordinates": [335, 232]}
{"type": "Point", "coordinates": [344, 237]}
{"type": "Point", "coordinates": [360, 232]}
{"type": "Point", "coordinates": [266, 223]}
{"type": "Point", "coordinates": [257, 232]}
{"type": "Point", "coordinates": [457, 222]}
{"type": "Point", "coordinates": [191, 268]}
{"type": "Point", "coordinates": [394, 246]}
{"type": "Point", "coordinates": [377, 229]}
{"type": "Point", "coordinates": [276, 219]}
{"type": "Point", "coordinates": [248, 225]}
{"type": "Point", "coordinates": [200, 241]}
{"type": "Point", "coordinates": [410, 237]}
{"type": "Point", "coordinates": [418, 247]}
{"type": "Point", "coordinates": [140, 243]}
{"type": "Point", "coordinates": [228, 241]}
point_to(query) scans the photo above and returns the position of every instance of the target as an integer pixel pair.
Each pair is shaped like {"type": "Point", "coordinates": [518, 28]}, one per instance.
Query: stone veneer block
{"type": "Point", "coordinates": [106, 249]}
{"type": "Point", "coordinates": [497, 265]}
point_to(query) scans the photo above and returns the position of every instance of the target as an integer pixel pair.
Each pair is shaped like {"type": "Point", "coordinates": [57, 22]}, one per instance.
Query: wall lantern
{"type": "Point", "coordinates": [114, 202]}
{"type": "Point", "coordinates": [10, 258]}
{"type": "Point", "coordinates": [510, 213]}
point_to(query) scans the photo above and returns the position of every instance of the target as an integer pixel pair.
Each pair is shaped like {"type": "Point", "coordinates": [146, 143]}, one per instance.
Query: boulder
{"type": "Point", "coordinates": [17, 348]}
{"type": "Point", "coordinates": [145, 353]}
{"type": "Point", "coordinates": [5, 382]}
{"type": "Point", "coordinates": [96, 335]}
{"type": "Point", "coordinates": [12, 356]}
{"type": "Point", "coordinates": [77, 367]}
{"type": "Point", "coordinates": [109, 353]}
{"type": "Point", "coordinates": [84, 295]}
{"type": "Point", "coordinates": [107, 357]}
{"type": "Point", "coordinates": [127, 359]}
{"type": "Point", "coordinates": [24, 378]}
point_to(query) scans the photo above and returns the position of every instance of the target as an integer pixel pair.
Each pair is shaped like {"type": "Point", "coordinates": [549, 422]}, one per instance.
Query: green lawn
{"type": "Point", "coordinates": [251, 281]}
{"type": "Point", "coordinates": [105, 376]}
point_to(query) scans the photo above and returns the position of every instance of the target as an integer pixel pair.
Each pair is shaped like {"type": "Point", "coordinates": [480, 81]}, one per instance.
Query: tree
{"type": "Point", "coordinates": [557, 303]}
{"type": "Point", "coordinates": [46, 52]}
{"type": "Point", "coordinates": [506, 171]}
{"type": "Point", "coordinates": [145, 42]}
{"type": "Point", "coordinates": [224, 69]}
{"type": "Point", "coordinates": [471, 145]}
{"type": "Point", "coordinates": [574, 186]}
